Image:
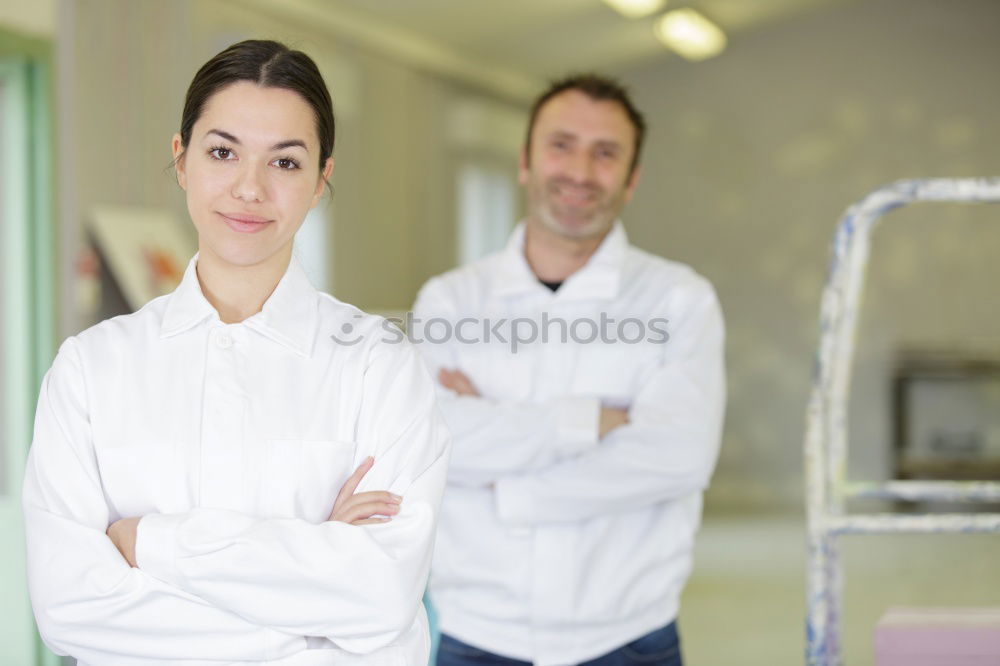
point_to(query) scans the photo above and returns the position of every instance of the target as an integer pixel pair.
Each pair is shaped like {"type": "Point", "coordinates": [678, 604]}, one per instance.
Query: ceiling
{"type": "Point", "coordinates": [546, 38]}
{"type": "Point", "coordinates": [512, 48]}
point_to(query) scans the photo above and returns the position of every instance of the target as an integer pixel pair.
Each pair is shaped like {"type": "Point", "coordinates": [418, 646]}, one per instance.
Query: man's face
{"type": "Point", "coordinates": [577, 175]}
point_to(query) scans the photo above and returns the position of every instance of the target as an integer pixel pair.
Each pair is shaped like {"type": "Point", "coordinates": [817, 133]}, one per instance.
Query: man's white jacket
{"type": "Point", "coordinates": [555, 546]}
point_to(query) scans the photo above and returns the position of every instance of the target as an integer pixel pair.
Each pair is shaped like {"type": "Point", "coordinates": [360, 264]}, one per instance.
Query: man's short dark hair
{"type": "Point", "coordinates": [596, 87]}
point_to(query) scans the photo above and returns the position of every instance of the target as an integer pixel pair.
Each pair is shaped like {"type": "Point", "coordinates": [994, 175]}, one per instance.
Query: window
{"type": "Point", "coordinates": [26, 319]}
{"type": "Point", "coordinates": [312, 246]}
{"type": "Point", "coordinates": [486, 198]}
{"type": "Point", "coordinates": [485, 136]}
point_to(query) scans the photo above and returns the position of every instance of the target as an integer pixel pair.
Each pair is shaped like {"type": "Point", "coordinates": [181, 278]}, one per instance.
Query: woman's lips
{"type": "Point", "coordinates": [243, 223]}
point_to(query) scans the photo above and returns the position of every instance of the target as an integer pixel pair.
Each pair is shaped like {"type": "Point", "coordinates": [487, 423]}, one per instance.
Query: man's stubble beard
{"type": "Point", "coordinates": [542, 208]}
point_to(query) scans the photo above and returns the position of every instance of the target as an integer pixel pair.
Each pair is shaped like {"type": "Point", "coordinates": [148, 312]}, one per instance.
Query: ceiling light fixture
{"type": "Point", "coordinates": [690, 34]}
{"type": "Point", "coordinates": [636, 8]}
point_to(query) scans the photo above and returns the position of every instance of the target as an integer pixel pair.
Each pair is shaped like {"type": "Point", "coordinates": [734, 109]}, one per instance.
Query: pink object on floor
{"type": "Point", "coordinates": [938, 637]}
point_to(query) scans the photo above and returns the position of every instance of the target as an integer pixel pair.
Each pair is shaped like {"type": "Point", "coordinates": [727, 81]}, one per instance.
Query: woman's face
{"type": "Point", "coordinates": [251, 173]}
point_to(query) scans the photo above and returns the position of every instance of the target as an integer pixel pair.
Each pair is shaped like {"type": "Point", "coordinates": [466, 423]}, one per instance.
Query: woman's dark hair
{"type": "Point", "coordinates": [269, 64]}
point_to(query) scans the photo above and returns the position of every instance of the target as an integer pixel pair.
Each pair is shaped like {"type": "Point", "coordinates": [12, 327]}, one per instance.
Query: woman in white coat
{"type": "Point", "coordinates": [246, 470]}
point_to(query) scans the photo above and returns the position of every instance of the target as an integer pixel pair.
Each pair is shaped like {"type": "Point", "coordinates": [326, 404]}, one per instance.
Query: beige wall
{"type": "Point", "coordinates": [392, 210]}
{"type": "Point", "coordinates": [752, 159]}
{"type": "Point", "coordinates": [32, 17]}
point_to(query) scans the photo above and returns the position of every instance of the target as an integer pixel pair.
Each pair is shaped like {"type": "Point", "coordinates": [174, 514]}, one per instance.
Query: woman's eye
{"type": "Point", "coordinates": [221, 153]}
{"type": "Point", "coordinates": [286, 163]}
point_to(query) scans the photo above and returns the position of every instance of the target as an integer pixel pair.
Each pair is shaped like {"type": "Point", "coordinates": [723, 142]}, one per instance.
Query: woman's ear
{"type": "Point", "coordinates": [324, 178]}
{"type": "Point", "coordinates": [177, 148]}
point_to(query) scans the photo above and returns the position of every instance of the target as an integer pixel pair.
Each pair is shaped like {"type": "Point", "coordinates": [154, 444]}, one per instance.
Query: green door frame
{"type": "Point", "coordinates": [27, 277]}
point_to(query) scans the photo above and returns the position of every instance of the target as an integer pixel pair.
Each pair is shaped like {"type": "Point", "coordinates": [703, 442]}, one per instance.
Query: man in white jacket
{"type": "Point", "coordinates": [583, 383]}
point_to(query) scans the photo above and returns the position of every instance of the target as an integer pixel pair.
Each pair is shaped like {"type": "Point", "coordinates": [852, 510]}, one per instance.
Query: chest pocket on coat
{"type": "Point", "coordinates": [301, 478]}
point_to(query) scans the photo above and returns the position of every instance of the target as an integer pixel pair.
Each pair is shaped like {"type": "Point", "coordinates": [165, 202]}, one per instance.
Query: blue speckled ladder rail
{"type": "Point", "coordinates": [827, 488]}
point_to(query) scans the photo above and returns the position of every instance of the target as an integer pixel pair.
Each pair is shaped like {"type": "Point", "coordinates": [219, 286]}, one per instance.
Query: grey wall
{"type": "Point", "coordinates": [753, 157]}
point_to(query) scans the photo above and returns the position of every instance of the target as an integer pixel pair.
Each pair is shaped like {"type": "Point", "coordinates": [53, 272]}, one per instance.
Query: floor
{"type": "Point", "coordinates": [745, 603]}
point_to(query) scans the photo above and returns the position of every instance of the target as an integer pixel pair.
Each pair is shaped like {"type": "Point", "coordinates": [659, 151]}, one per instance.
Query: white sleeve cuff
{"type": "Point", "coordinates": [154, 546]}
{"type": "Point", "coordinates": [577, 422]}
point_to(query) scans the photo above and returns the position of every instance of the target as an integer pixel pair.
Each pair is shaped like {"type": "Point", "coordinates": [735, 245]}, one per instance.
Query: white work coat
{"type": "Point", "coordinates": [232, 442]}
{"type": "Point", "coordinates": [555, 547]}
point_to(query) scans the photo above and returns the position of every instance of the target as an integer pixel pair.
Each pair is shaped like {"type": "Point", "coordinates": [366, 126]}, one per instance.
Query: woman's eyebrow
{"type": "Point", "coordinates": [225, 135]}
{"type": "Point", "coordinates": [291, 143]}
{"type": "Point", "coordinates": [281, 145]}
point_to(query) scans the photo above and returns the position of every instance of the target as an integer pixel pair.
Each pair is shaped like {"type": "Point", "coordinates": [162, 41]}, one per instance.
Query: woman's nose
{"type": "Point", "coordinates": [249, 186]}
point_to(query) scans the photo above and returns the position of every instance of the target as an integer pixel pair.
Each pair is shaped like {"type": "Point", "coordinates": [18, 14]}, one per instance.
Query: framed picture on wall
{"type": "Point", "coordinates": [947, 417]}
{"type": "Point", "coordinates": [145, 250]}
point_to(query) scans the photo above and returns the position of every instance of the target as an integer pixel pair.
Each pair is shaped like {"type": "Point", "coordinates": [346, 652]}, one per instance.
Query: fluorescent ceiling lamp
{"type": "Point", "coordinates": [690, 34]}
{"type": "Point", "coordinates": [636, 8]}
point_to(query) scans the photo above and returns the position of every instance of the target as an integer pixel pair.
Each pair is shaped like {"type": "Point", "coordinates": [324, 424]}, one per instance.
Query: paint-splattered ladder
{"type": "Point", "coordinates": [827, 488]}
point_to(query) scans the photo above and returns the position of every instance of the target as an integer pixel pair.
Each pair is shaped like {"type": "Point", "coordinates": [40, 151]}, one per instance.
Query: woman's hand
{"type": "Point", "coordinates": [122, 534]}
{"type": "Point", "coordinates": [359, 508]}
